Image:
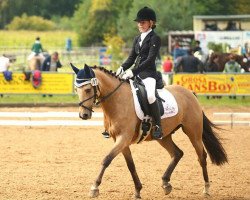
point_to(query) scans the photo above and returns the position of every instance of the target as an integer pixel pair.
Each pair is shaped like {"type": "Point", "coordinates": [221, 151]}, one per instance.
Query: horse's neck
{"type": "Point", "coordinates": [107, 84]}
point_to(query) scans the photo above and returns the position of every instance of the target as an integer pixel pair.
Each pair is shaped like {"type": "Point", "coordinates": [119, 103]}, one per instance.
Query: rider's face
{"type": "Point", "coordinates": [144, 26]}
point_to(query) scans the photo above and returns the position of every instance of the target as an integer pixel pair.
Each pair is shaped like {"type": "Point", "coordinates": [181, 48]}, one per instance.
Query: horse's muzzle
{"type": "Point", "coordinates": [84, 116]}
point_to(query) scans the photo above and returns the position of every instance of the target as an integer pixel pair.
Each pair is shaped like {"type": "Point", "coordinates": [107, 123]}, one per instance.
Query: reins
{"type": "Point", "coordinates": [108, 95]}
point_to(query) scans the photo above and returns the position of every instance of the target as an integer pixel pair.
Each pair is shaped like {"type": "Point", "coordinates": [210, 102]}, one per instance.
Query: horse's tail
{"type": "Point", "coordinates": [212, 143]}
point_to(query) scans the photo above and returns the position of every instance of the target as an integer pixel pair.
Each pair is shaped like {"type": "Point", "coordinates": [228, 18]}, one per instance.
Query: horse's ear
{"type": "Point", "coordinates": [86, 67]}
{"type": "Point", "coordinates": [75, 69]}
{"type": "Point", "coordinates": [88, 71]}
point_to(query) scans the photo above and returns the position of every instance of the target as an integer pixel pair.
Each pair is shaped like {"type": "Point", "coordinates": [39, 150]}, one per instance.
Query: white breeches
{"type": "Point", "coordinates": [150, 84]}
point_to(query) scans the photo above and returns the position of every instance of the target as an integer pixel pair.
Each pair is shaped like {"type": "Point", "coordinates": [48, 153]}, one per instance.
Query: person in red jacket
{"type": "Point", "coordinates": [167, 65]}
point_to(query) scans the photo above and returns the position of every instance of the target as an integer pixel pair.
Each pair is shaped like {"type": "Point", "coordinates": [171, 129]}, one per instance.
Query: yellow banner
{"type": "Point", "coordinates": [52, 83]}
{"type": "Point", "coordinates": [215, 83]}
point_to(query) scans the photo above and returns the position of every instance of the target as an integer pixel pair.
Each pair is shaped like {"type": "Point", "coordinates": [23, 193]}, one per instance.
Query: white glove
{"type": "Point", "coordinates": [128, 74]}
{"type": "Point", "coordinates": [120, 72]}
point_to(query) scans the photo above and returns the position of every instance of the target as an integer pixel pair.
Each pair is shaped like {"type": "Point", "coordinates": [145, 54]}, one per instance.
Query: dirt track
{"type": "Point", "coordinates": [61, 163]}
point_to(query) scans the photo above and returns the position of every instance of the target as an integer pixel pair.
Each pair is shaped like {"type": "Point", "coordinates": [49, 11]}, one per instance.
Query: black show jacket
{"type": "Point", "coordinates": [144, 56]}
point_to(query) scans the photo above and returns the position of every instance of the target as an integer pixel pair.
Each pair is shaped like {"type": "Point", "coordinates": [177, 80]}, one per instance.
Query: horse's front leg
{"type": "Point", "coordinates": [131, 166]}
{"type": "Point", "coordinates": [118, 147]}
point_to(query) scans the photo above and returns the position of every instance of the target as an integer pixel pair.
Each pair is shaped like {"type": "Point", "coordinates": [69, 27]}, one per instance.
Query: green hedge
{"type": "Point", "coordinates": [31, 23]}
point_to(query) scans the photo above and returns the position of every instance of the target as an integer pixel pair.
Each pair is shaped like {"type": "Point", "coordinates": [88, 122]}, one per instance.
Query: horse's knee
{"type": "Point", "coordinates": [178, 155]}
{"type": "Point", "coordinates": [107, 160]}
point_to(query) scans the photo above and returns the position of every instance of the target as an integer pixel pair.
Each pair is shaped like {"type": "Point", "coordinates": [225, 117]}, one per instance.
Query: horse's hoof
{"type": "Point", "coordinates": [137, 197]}
{"type": "Point", "coordinates": [167, 188]}
{"type": "Point", "coordinates": [206, 195]}
{"type": "Point", "coordinates": [94, 193]}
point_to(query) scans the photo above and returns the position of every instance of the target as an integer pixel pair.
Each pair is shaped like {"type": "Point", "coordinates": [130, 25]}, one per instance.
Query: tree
{"type": "Point", "coordinates": [94, 19]}
{"type": "Point", "coordinates": [45, 8]}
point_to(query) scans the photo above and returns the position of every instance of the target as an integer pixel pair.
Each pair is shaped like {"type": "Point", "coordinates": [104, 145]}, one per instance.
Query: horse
{"type": "Point", "coordinates": [216, 62]}
{"type": "Point", "coordinates": [35, 63]}
{"type": "Point", "coordinates": [120, 120]}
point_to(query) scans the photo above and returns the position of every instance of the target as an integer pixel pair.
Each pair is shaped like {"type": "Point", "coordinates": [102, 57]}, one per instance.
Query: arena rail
{"type": "Point", "coordinates": [233, 118]}
{"type": "Point", "coordinates": [48, 119]}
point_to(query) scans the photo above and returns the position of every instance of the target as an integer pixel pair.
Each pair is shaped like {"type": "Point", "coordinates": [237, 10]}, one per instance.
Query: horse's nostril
{"type": "Point", "coordinates": [83, 116]}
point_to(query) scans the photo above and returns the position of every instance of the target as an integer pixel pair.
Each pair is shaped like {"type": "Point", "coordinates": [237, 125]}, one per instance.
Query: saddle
{"type": "Point", "coordinates": [142, 97]}
{"type": "Point", "coordinates": [141, 93]}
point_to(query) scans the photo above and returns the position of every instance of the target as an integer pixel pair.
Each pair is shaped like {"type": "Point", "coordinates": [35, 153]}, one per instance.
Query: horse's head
{"type": "Point", "coordinates": [86, 88]}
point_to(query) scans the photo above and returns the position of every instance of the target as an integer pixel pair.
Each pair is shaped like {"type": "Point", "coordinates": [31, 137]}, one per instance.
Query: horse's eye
{"type": "Point", "coordinates": [88, 91]}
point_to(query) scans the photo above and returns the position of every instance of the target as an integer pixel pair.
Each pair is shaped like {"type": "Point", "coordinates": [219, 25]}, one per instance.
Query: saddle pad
{"type": "Point", "coordinates": [170, 105]}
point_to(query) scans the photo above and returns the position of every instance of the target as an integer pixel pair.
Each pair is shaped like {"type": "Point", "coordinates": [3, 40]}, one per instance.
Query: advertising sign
{"type": "Point", "coordinates": [232, 38]}
{"type": "Point", "coordinates": [52, 83]}
{"type": "Point", "coordinates": [238, 84]}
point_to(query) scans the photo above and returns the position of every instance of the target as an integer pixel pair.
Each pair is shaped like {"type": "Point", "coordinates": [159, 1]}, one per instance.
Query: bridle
{"type": "Point", "coordinates": [98, 99]}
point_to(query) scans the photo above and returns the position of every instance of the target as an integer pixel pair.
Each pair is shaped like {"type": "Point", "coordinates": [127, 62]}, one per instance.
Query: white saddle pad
{"type": "Point", "coordinates": [170, 105]}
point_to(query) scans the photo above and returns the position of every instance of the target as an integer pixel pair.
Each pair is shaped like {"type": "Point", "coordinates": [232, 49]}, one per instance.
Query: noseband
{"type": "Point", "coordinates": [95, 96]}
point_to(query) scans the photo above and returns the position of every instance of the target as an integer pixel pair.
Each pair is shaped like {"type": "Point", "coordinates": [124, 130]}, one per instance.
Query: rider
{"type": "Point", "coordinates": [143, 55]}
{"type": "Point", "coordinates": [37, 50]}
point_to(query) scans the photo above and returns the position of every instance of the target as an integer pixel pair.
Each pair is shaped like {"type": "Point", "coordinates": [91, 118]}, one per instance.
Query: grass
{"type": "Point", "coordinates": [38, 99]}
{"type": "Point", "coordinates": [73, 99]}
{"type": "Point", "coordinates": [25, 39]}
{"type": "Point", "coordinates": [225, 101]}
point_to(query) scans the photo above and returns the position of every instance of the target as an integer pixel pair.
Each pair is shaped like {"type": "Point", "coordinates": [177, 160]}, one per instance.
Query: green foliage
{"type": "Point", "coordinates": [63, 23]}
{"type": "Point", "coordinates": [94, 19]}
{"type": "Point", "coordinates": [218, 47]}
{"type": "Point", "coordinates": [31, 23]}
{"type": "Point", "coordinates": [114, 46]}
{"type": "Point", "coordinates": [45, 8]}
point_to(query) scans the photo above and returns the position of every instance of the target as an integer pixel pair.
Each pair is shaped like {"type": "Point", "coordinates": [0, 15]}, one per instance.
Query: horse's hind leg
{"type": "Point", "coordinates": [176, 154]}
{"type": "Point", "coordinates": [195, 136]}
{"type": "Point", "coordinates": [131, 166]}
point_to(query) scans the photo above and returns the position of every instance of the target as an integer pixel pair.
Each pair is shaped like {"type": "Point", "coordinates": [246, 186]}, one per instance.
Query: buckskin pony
{"type": "Point", "coordinates": [120, 120]}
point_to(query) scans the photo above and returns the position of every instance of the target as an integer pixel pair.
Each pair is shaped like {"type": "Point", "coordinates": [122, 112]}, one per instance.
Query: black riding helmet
{"type": "Point", "coordinates": [145, 14]}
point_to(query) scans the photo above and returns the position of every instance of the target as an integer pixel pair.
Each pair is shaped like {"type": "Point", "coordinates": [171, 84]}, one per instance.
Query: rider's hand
{"type": "Point", "coordinates": [120, 72]}
{"type": "Point", "coordinates": [128, 74]}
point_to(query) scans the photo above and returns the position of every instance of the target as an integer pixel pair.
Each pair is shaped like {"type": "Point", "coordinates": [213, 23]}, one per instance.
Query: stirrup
{"type": "Point", "coordinates": [157, 134]}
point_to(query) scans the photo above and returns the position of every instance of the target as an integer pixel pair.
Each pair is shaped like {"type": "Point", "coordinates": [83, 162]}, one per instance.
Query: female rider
{"type": "Point", "coordinates": [143, 55]}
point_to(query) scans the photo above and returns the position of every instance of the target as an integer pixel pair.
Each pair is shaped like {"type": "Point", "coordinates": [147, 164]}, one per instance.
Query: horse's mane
{"type": "Point", "coordinates": [110, 72]}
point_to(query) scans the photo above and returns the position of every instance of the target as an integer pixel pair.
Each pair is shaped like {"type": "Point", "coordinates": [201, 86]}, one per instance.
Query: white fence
{"type": "Point", "coordinates": [232, 118]}
{"type": "Point", "coordinates": [72, 119]}
{"type": "Point", "coordinates": [48, 119]}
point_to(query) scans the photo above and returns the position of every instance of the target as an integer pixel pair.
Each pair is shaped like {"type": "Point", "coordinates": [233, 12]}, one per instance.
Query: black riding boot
{"type": "Point", "coordinates": [155, 112]}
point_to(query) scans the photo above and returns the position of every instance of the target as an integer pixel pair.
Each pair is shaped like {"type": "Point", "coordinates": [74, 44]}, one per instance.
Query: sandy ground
{"type": "Point", "coordinates": [62, 162]}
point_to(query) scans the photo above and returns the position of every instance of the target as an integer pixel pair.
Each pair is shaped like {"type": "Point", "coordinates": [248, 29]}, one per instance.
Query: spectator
{"type": "Point", "coordinates": [189, 63]}
{"type": "Point", "coordinates": [197, 47]}
{"type": "Point", "coordinates": [4, 63]}
{"type": "Point", "coordinates": [232, 66]}
{"type": "Point", "coordinates": [52, 63]}
{"type": "Point", "coordinates": [37, 50]}
{"type": "Point", "coordinates": [167, 65]}
{"type": "Point", "coordinates": [68, 45]}
{"type": "Point", "coordinates": [178, 52]}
